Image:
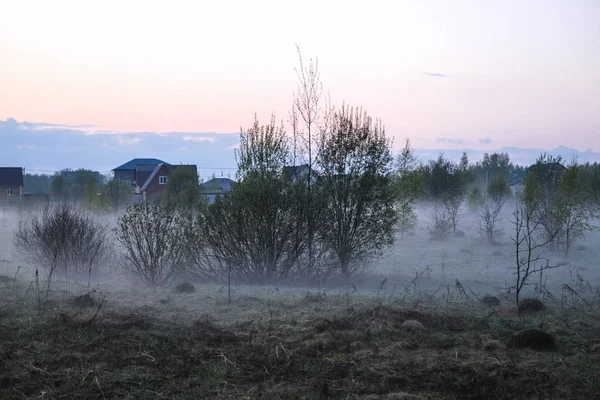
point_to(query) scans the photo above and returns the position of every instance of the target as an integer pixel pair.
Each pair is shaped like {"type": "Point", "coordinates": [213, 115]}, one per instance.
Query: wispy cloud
{"type": "Point", "coordinates": [436, 74]}
{"type": "Point", "coordinates": [128, 141]}
{"type": "Point", "coordinates": [485, 141]}
{"type": "Point", "coordinates": [210, 139]}
{"type": "Point", "coordinates": [450, 140]}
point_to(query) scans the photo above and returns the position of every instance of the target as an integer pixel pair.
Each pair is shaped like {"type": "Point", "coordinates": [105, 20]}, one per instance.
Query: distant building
{"type": "Point", "coordinates": [216, 187]}
{"type": "Point", "coordinates": [137, 171]}
{"type": "Point", "coordinates": [156, 181]}
{"type": "Point", "coordinates": [11, 184]}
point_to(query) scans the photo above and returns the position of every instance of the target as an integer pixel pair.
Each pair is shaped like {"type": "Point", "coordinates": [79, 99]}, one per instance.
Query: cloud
{"type": "Point", "coordinates": [125, 141]}
{"type": "Point", "coordinates": [52, 147]}
{"type": "Point", "coordinates": [485, 141]}
{"type": "Point", "coordinates": [210, 139]}
{"type": "Point", "coordinates": [435, 74]}
{"type": "Point", "coordinates": [450, 140]}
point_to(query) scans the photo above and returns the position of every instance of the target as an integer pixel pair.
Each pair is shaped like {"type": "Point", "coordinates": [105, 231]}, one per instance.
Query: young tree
{"type": "Point", "coordinates": [308, 118]}
{"type": "Point", "coordinates": [90, 194]}
{"type": "Point", "coordinates": [408, 187]}
{"type": "Point", "coordinates": [454, 206]}
{"type": "Point", "coordinates": [182, 191]}
{"type": "Point", "coordinates": [357, 182]}
{"type": "Point", "coordinates": [152, 242]}
{"type": "Point", "coordinates": [572, 207]}
{"type": "Point", "coordinates": [549, 171]}
{"type": "Point", "coordinates": [117, 194]}
{"type": "Point", "coordinates": [491, 205]}
{"type": "Point", "coordinates": [528, 239]}
{"type": "Point", "coordinates": [255, 232]}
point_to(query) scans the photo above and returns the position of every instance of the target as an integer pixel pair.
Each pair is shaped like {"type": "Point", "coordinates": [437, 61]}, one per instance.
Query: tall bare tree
{"type": "Point", "coordinates": [308, 118]}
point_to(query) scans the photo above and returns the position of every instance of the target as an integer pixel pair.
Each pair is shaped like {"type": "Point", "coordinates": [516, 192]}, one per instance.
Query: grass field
{"type": "Point", "coordinates": [418, 335]}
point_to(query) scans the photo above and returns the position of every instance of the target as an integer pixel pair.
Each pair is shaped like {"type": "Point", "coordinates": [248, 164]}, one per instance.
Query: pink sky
{"type": "Point", "coordinates": [520, 73]}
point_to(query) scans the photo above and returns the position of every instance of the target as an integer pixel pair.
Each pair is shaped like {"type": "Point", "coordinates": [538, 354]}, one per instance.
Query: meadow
{"type": "Point", "coordinates": [417, 326]}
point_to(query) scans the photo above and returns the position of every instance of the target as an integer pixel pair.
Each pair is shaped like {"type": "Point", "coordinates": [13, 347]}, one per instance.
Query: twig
{"type": "Point", "coordinates": [99, 387]}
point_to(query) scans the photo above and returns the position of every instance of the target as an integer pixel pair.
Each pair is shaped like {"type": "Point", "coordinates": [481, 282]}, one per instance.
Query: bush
{"type": "Point", "coordinates": [63, 238]}
{"type": "Point", "coordinates": [152, 242]}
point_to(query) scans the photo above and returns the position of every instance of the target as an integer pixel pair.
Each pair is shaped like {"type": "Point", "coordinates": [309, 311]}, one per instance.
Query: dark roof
{"type": "Point", "coordinates": [218, 185]}
{"type": "Point", "coordinates": [11, 177]}
{"type": "Point", "coordinates": [130, 165]}
{"type": "Point", "coordinates": [174, 167]}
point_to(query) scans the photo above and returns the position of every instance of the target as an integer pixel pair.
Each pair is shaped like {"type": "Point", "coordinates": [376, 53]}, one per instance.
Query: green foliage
{"type": "Point", "coordinates": [571, 206]}
{"type": "Point", "coordinates": [116, 194]}
{"type": "Point", "coordinates": [90, 195]}
{"type": "Point", "coordinates": [498, 189]}
{"type": "Point", "coordinates": [34, 183]}
{"type": "Point", "coordinates": [256, 233]}
{"type": "Point", "coordinates": [441, 178]}
{"type": "Point", "coordinates": [152, 242]}
{"type": "Point", "coordinates": [182, 191]}
{"type": "Point", "coordinates": [357, 183]}
{"type": "Point", "coordinates": [491, 205]}
{"type": "Point", "coordinates": [474, 198]}
{"type": "Point", "coordinates": [407, 187]}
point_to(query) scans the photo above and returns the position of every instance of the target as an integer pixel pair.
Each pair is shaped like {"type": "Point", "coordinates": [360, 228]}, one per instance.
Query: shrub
{"type": "Point", "coordinates": [152, 242]}
{"type": "Point", "coordinates": [62, 239]}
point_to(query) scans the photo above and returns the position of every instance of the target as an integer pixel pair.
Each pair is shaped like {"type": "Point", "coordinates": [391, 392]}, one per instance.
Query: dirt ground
{"type": "Point", "coordinates": [278, 344]}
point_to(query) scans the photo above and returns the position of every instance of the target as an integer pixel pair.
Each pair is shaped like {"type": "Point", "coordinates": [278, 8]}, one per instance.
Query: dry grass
{"type": "Point", "coordinates": [276, 344]}
{"type": "Point", "coordinates": [416, 336]}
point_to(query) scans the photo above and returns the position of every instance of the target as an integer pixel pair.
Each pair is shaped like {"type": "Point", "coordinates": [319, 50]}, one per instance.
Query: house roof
{"type": "Point", "coordinates": [11, 177]}
{"type": "Point", "coordinates": [172, 167]}
{"type": "Point", "coordinates": [131, 165]}
{"type": "Point", "coordinates": [218, 185]}
{"type": "Point", "coordinates": [151, 177]}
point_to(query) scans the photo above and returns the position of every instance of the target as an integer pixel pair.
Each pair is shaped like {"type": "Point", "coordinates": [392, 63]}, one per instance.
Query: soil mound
{"type": "Point", "coordinates": [84, 301]}
{"type": "Point", "coordinates": [530, 305]}
{"type": "Point", "coordinates": [490, 301]}
{"type": "Point", "coordinates": [185, 287]}
{"type": "Point", "coordinates": [532, 339]}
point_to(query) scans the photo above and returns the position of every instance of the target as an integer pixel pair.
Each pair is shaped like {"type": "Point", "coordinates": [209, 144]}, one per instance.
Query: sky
{"type": "Point", "coordinates": [455, 73]}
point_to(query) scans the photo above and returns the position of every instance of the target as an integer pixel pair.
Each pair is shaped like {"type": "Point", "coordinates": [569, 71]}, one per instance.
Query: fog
{"type": "Point", "coordinates": [413, 264]}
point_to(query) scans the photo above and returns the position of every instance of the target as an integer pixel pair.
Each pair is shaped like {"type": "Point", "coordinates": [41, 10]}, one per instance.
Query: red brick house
{"type": "Point", "coordinates": [155, 184]}
{"type": "Point", "coordinates": [11, 184]}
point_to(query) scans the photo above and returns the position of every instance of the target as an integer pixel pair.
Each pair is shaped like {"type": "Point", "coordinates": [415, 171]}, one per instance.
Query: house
{"type": "Point", "coordinates": [215, 187]}
{"type": "Point", "coordinates": [137, 171]}
{"type": "Point", "coordinates": [156, 180]}
{"type": "Point", "coordinates": [11, 184]}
